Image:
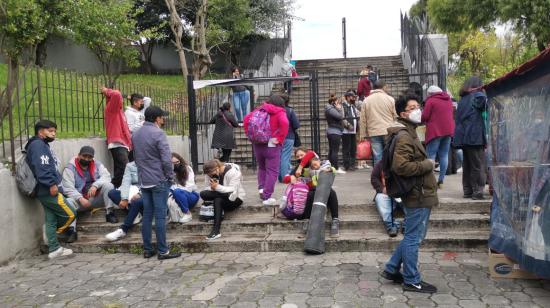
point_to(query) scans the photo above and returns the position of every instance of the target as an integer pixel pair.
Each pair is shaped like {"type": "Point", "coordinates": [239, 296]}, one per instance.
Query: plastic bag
{"type": "Point", "coordinates": [364, 151]}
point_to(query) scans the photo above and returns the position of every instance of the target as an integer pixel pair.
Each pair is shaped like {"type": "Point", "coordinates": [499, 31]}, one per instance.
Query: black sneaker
{"type": "Point", "coordinates": [213, 235]}
{"type": "Point", "coordinates": [422, 287]}
{"type": "Point", "coordinates": [335, 228]}
{"type": "Point", "coordinates": [169, 255]}
{"type": "Point", "coordinates": [68, 236]}
{"type": "Point", "coordinates": [467, 196]}
{"type": "Point", "coordinates": [397, 277]}
{"type": "Point", "coordinates": [392, 232]}
{"type": "Point", "coordinates": [478, 196]}
{"type": "Point", "coordinates": [149, 254]}
{"type": "Point", "coordinates": [111, 217]}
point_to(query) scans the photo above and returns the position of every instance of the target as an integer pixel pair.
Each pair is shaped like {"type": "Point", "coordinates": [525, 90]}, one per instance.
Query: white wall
{"type": "Point", "coordinates": [22, 218]}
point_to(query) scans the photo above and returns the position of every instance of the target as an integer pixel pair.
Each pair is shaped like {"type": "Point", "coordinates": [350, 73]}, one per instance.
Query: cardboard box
{"type": "Point", "coordinates": [501, 266]}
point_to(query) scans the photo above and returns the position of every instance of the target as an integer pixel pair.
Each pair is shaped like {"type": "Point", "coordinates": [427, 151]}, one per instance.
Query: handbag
{"type": "Point", "coordinates": [297, 141]}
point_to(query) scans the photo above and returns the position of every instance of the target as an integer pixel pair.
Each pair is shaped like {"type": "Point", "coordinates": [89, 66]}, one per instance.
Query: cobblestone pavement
{"type": "Point", "coordinates": [257, 280]}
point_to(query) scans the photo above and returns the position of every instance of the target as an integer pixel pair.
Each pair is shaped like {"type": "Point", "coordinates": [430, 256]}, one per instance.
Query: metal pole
{"type": "Point", "coordinates": [344, 37]}
{"type": "Point", "coordinates": [193, 123]}
{"type": "Point", "coordinates": [39, 87]}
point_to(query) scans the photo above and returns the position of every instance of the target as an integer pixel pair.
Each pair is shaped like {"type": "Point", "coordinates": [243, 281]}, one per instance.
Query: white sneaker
{"type": "Point", "coordinates": [138, 218]}
{"type": "Point", "coordinates": [261, 192]}
{"type": "Point", "coordinates": [185, 218]}
{"type": "Point", "coordinates": [115, 235]}
{"type": "Point", "coordinates": [270, 202]}
{"type": "Point", "coordinates": [459, 170]}
{"type": "Point", "coordinates": [60, 252]}
{"type": "Point", "coordinates": [340, 171]}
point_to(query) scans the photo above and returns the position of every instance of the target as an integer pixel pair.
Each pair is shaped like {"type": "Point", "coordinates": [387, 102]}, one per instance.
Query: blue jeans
{"type": "Point", "coordinates": [385, 206]}
{"type": "Point", "coordinates": [406, 254]}
{"type": "Point", "coordinates": [286, 155]}
{"type": "Point", "coordinates": [377, 146]}
{"type": "Point", "coordinates": [154, 202]}
{"type": "Point", "coordinates": [440, 146]}
{"type": "Point", "coordinates": [134, 208]}
{"type": "Point", "coordinates": [185, 199]}
{"type": "Point", "coordinates": [241, 101]}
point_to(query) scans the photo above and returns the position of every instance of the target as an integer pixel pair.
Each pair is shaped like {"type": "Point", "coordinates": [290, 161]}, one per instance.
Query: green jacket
{"type": "Point", "coordinates": [410, 160]}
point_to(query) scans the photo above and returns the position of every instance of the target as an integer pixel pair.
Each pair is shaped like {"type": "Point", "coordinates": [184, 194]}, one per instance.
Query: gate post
{"type": "Point", "coordinates": [192, 101]}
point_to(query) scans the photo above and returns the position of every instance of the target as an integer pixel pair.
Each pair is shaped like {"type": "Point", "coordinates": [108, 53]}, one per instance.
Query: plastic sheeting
{"type": "Point", "coordinates": [519, 143]}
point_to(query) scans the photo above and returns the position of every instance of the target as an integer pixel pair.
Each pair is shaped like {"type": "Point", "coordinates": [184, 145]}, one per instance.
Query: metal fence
{"type": "Point", "coordinates": [74, 101]}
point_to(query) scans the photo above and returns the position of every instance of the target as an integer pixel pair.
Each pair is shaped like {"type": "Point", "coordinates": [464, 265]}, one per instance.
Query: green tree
{"type": "Point", "coordinates": [22, 26]}
{"type": "Point", "coordinates": [107, 28]}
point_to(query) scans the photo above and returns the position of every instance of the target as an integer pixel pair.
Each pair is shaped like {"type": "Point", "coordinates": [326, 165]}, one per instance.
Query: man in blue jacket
{"type": "Point", "coordinates": [59, 214]}
{"type": "Point", "coordinates": [155, 174]}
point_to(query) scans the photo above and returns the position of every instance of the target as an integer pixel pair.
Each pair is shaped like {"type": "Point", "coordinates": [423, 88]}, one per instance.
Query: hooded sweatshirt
{"type": "Point", "coordinates": [74, 179]}
{"type": "Point", "coordinates": [134, 118]}
{"type": "Point", "coordinates": [116, 127]}
{"type": "Point", "coordinates": [438, 116]}
{"type": "Point", "coordinates": [277, 121]}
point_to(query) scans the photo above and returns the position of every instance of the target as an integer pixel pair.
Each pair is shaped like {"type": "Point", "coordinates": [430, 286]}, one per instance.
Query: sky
{"type": "Point", "coordinates": [372, 28]}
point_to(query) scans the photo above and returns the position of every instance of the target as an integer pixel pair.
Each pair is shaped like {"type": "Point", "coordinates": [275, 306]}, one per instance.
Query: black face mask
{"type": "Point", "coordinates": [141, 107]}
{"type": "Point", "coordinates": [84, 163]}
{"type": "Point", "coordinates": [49, 139]}
{"type": "Point", "coordinates": [178, 168]}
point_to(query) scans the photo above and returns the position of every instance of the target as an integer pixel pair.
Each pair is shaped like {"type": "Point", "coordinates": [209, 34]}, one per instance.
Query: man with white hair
{"type": "Point", "coordinates": [440, 126]}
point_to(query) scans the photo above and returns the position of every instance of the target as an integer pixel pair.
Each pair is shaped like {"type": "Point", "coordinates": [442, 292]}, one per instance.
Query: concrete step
{"type": "Point", "coordinates": [365, 240]}
{"type": "Point", "coordinates": [266, 223]}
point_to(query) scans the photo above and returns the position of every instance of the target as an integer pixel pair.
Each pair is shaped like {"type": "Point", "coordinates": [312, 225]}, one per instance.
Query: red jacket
{"type": "Point", "coordinates": [363, 88]}
{"type": "Point", "coordinates": [116, 127]}
{"type": "Point", "coordinates": [438, 116]}
{"type": "Point", "coordinates": [278, 121]}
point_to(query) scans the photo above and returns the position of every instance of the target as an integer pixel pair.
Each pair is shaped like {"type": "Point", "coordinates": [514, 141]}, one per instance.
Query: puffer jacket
{"type": "Point", "coordinates": [410, 160]}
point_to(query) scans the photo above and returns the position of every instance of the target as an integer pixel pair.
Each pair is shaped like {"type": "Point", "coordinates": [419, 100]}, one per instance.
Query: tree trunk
{"type": "Point", "coordinates": [202, 60]}
{"type": "Point", "coordinates": [13, 79]}
{"type": "Point", "coordinates": [177, 29]}
{"type": "Point", "coordinates": [41, 53]}
{"type": "Point", "coordinates": [146, 51]}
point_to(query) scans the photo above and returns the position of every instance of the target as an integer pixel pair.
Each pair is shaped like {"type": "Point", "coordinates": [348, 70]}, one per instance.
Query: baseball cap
{"type": "Point", "coordinates": [87, 150]}
{"type": "Point", "coordinates": [154, 112]}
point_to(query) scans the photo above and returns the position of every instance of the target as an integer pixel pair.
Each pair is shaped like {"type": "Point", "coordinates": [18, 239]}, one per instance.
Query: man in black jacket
{"type": "Point", "coordinates": [59, 213]}
{"type": "Point", "coordinates": [351, 126]}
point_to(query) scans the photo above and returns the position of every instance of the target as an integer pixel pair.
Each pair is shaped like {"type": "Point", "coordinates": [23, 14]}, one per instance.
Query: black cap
{"type": "Point", "coordinates": [87, 150]}
{"type": "Point", "coordinates": [153, 112]}
{"type": "Point", "coordinates": [350, 93]}
{"type": "Point", "coordinates": [276, 100]}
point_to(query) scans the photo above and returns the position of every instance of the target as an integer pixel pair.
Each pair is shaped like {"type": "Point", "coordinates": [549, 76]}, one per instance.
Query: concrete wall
{"type": "Point", "coordinates": [22, 218]}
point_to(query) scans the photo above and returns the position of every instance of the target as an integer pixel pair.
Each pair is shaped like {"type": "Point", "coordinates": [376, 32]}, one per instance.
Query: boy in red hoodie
{"type": "Point", "coordinates": [119, 139]}
{"type": "Point", "coordinates": [268, 156]}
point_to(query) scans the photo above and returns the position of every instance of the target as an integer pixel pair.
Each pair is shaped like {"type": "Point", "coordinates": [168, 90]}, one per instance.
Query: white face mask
{"type": "Point", "coordinates": [416, 116]}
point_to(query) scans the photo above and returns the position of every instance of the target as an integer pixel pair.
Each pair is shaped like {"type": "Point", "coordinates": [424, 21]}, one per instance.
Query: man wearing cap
{"type": "Point", "coordinates": [155, 174]}
{"type": "Point", "coordinates": [351, 126]}
{"type": "Point", "coordinates": [118, 134]}
{"type": "Point", "coordinates": [88, 182]}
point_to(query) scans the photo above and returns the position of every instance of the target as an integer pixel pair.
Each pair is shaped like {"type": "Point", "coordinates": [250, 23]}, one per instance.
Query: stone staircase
{"type": "Point", "coordinates": [456, 225]}
{"type": "Point", "coordinates": [334, 76]}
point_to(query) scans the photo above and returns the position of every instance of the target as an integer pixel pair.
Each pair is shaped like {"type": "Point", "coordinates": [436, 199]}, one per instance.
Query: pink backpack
{"type": "Point", "coordinates": [296, 197]}
{"type": "Point", "coordinates": [259, 129]}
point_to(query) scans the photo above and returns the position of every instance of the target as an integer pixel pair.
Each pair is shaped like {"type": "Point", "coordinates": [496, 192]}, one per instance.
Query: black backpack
{"type": "Point", "coordinates": [396, 186]}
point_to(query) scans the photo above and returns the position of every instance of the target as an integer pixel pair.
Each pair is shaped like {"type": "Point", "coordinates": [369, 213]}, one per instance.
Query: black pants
{"type": "Point", "coordinates": [474, 170]}
{"type": "Point", "coordinates": [226, 153]}
{"type": "Point", "coordinates": [120, 159]}
{"type": "Point", "coordinates": [333, 149]}
{"type": "Point", "coordinates": [349, 150]}
{"type": "Point", "coordinates": [288, 87]}
{"type": "Point", "coordinates": [332, 204]}
{"type": "Point", "coordinates": [221, 202]}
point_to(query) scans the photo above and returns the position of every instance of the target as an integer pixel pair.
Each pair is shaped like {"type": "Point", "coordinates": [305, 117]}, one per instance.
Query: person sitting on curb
{"type": "Point", "coordinates": [184, 191]}
{"type": "Point", "coordinates": [224, 189]}
{"type": "Point", "coordinates": [385, 205]}
{"type": "Point", "coordinates": [88, 182]}
{"type": "Point", "coordinates": [59, 214]}
{"type": "Point", "coordinates": [127, 197]}
{"type": "Point", "coordinates": [309, 176]}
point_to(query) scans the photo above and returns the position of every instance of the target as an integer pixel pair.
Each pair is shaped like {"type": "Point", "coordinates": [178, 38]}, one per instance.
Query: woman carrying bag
{"type": "Point", "coordinates": [223, 138]}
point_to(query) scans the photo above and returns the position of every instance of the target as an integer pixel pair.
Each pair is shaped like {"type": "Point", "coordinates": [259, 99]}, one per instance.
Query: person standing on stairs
{"type": "Point", "coordinates": [224, 189]}
{"type": "Point", "coordinates": [59, 214]}
{"type": "Point", "coordinates": [334, 114]}
{"type": "Point", "coordinates": [291, 139]}
{"type": "Point", "coordinates": [156, 174]}
{"type": "Point", "coordinates": [363, 86]}
{"type": "Point", "coordinates": [410, 164]}
{"type": "Point", "coordinates": [267, 122]}
{"type": "Point", "coordinates": [349, 138]}
{"type": "Point", "coordinates": [223, 139]}
{"type": "Point", "coordinates": [241, 96]}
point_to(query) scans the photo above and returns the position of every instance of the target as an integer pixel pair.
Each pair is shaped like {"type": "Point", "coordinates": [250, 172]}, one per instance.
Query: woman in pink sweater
{"type": "Point", "coordinates": [268, 156]}
{"type": "Point", "coordinates": [440, 126]}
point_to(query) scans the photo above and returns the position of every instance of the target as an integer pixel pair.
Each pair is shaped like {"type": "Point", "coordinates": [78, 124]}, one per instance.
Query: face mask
{"type": "Point", "coordinates": [178, 168]}
{"type": "Point", "coordinates": [416, 116]}
{"type": "Point", "coordinates": [49, 139]}
{"type": "Point", "coordinates": [141, 107]}
{"type": "Point", "coordinates": [84, 163]}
